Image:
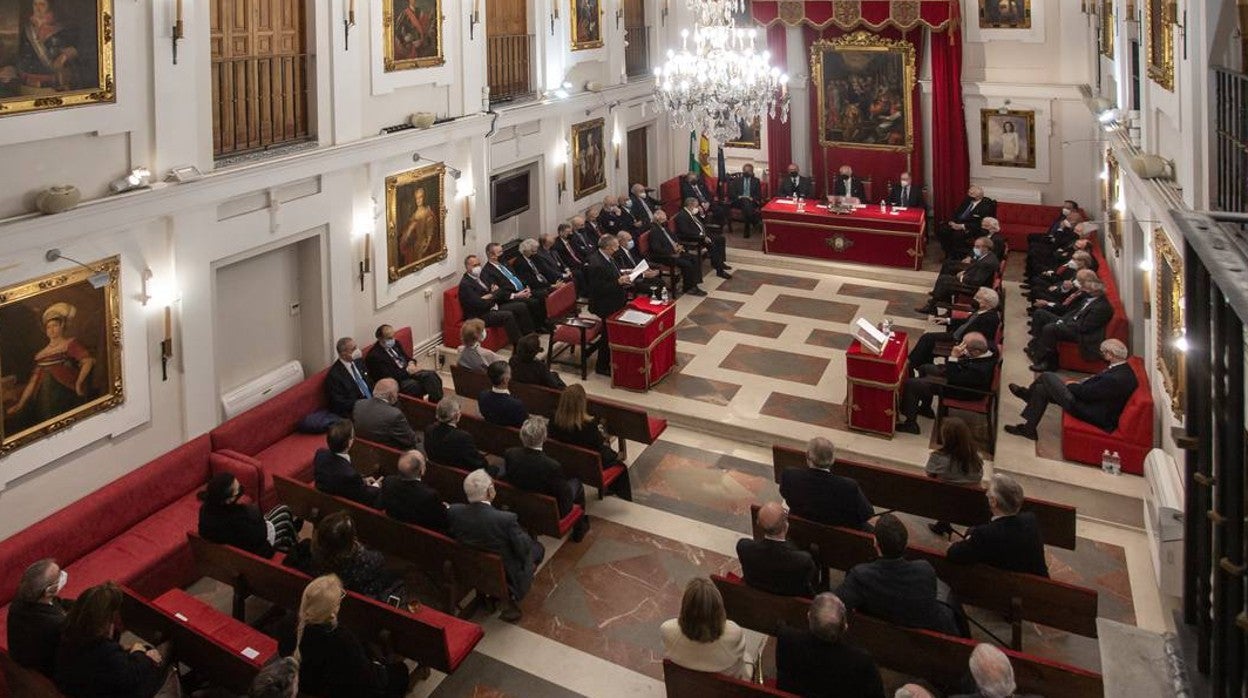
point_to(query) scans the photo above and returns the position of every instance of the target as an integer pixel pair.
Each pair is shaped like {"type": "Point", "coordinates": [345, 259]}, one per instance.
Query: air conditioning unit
{"type": "Point", "coordinates": [257, 390]}
{"type": "Point", "coordinates": [1163, 519]}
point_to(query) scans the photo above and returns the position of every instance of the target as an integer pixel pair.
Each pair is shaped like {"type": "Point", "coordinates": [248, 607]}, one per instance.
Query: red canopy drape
{"type": "Point", "coordinates": [951, 163]}
{"type": "Point", "coordinates": [779, 138]}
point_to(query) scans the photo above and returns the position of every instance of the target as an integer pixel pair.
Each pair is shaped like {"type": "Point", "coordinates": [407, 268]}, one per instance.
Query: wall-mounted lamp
{"type": "Point", "coordinates": [366, 262]}
{"type": "Point", "coordinates": [619, 15]}
{"type": "Point", "coordinates": [177, 31]}
{"type": "Point", "coordinates": [615, 142]}
{"type": "Point", "coordinates": [145, 295]}
{"type": "Point", "coordinates": [554, 17]}
{"type": "Point", "coordinates": [166, 344]}
{"type": "Point", "coordinates": [160, 293]}
{"type": "Point", "coordinates": [348, 21]}
{"type": "Point", "coordinates": [474, 18]}
{"type": "Point", "coordinates": [98, 279]}
{"type": "Point", "coordinates": [663, 14]}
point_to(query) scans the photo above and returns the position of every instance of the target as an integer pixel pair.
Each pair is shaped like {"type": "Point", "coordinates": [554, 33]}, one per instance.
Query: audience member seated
{"type": "Point", "coordinates": [278, 679]}
{"type": "Point", "coordinates": [593, 229]}
{"type": "Point", "coordinates": [37, 616]}
{"type": "Point", "coordinates": [378, 419]}
{"type": "Point", "coordinates": [692, 232]}
{"type": "Point", "coordinates": [581, 229]}
{"type": "Point", "coordinates": [847, 187]}
{"type": "Point", "coordinates": [508, 288]}
{"type": "Point", "coordinates": [984, 319]}
{"type": "Point", "coordinates": [1059, 244]}
{"type": "Point", "coordinates": [492, 305]}
{"type": "Point", "coordinates": [993, 675]}
{"type": "Point", "coordinates": [817, 662]}
{"type": "Point", "coordinates": [530, 469]}
{"type": "Point", "coordinates": [794, 185]}
{"type": "Point", "coordinates": [347, 380]}
{"type": "Point", "coordinates": [335, 549]}
{"type": "Point", "coordinates": [693, 187]}
{"type": "Point", "coordinates": [666, 251]}
{"type": "Point", "coordinates": [614, 218]}
{"type": "Point", "coordinates": [388, 359]}
{"type": "Point", "coordinates": [224, 518]}
{"type": "Point", "coordinates": [1098, 399]}
{"type": "Point", "coordinates": [573, 424]}
{"type": "Point", "coordinates": [956, 460]}
{"type": "Point", "coordinates": [905, 193]}
{"type": "Point", "coordinates": [642, 206]}
{"type": "Point", "coordinates": [571, 248]}
{"type": "Point", "coordinates": [447, 444]}
{"type": "Point", "coordinates": [496, 404]}
{"type": "Point", "coordinates": [900, 591]}
{"type": "Point", "coordinates": [332, 469]}
{"type": "Point", "coordinates": [1083, 324]}
{"type": "Point", "coordinates": [472, 355]}
{"type": "Point", "coordinates": [981, 272]}
{"type": "Point", "coordinates": [773, 564]}
{"type": "Point", "coordinates": [746, 194]}
{"type": "Point", "coordinates": [1054, 310]}
{"type": "Point", "coordinates": [529, 273]}
{"type": "Point", "coordinates": [404, 497]}
{"type": "Point", "coordinates": [816, 494]}
{"type": "Point", "coordinates": [991, 229]}
{"type": "Point", "coordinates": [967, 375]}
{"type": "Point", "coordinates": [1011, 541]}
{"type": "Point", "coordinates": [955, 235]}
{"type": "Point", "coordinates": [1061, 230]}
{"type": "Point", "coordinates": [527, 368]}
{"type": "Point", "coordinates": [90, 663]}
{"type": "Point", "coordinates": [702, 638]}
{"type": "Point", "coordinates": [1049, 288]}
{"type": "Point", "coordinates": [550, 264]}
{"type": "Point", "coordinates": [480, 525]}
{"type": "Point", "coordinates": [332, 661]}
{"type": "Point", "coordinates": [627, 259]}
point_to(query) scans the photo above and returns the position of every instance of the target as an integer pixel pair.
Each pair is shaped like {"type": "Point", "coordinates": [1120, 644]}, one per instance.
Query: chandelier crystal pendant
{"type": "Point", "coordinates": [722, 81]}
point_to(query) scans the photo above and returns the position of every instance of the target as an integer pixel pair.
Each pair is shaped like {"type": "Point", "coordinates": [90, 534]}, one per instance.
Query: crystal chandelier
{"type": "Point", "coordinates": [722, 82]}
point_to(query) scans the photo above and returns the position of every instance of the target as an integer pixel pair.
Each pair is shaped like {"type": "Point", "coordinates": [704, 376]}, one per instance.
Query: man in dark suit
{"type": "Point", "coordinates": [818, 662]}
{"type": "Point", "coordinates": [529, 468]}
{"type": "Point", "coordinates": [641, 207]}
{"type": "Point", "coordinates": [378, 419]}
{"type": "Point", "coordinates": [510, 288]}
{"type": "Point", "coordinates": [550, 264]}
{"type": "Point", "coordinates": [593, 229]}
{"type": "Point", "coordinates": [956, 234]}
{"type": "Point", "coordinates": [447, 444]}
{"type": "Point", "coordinates": [991, 229]}
{"type": "Point", "coordinates": [1055, 284]}
{"type": "Point", "coordinates": [773, 564]}
{"type": "Point", "coordinates": [529, 273]}
{"type": "Point", "coordinates": [347, 380]}
{"type": "Point", "coordinates": [905, 193]}
{"type": "Point", "coordinates": [480, 525]}
{"type": "Point", "coordinates": [404, 497]}
{"type": "Point", "coordinates": [607, 289]}
{"type": "Point", "coordinates": [1097, 400]}
{"type": "Point", "coordinates": [894, 589]}
{"type": "Point", "coordinates": [332, 469]}
{"type": "Point", "coordinates": [1083, 323]}
{"type": "Point", "coordinates": [984, 319]}
{"type": "Point", "coordinates": [1060, 233]}
{"type": "Point", "coordinates": [497, 405]}
{"type": "Point", "coordinates": [571, 247]}
{"type": "Point", "coordinates": [746, 193]}
{"type": "Point", "coordinates": [37, 616]}
{"type": "Point", "coordinates": [1011, 541]}
{"type": "Point", "coordinates": [981, 272]}
{"type": "Point", "coordinates": [692, 187]}
{"type": "Point", "coordinates": [665, 250]}
{"type": "Point", "coordinates": [693, 233]}
{"type": "Point", "coordinates": [967, 375]}
{"type": "Point", "coordinates": [388, 359]}
{"type": "Point", "coordinates": [992, 674]}
{"type": "Point", "coordinates": [481, 300]}
{"type": "Point", "coordinates": [793, 184]}
{"type": "Point", "coordinates": [846, 185]}
{"type": "Point", "coordinates": [609, 216]}
{"type": "Point", "coordinates": [627, 258]}
{"type": "Point", "coordinates": [815, 493]}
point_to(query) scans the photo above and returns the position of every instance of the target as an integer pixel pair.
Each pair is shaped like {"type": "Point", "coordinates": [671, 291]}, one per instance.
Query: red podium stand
{"type": "Point", "coordinates": [641, 355]}
{"type": "Point", "coordinates": [874, 385]}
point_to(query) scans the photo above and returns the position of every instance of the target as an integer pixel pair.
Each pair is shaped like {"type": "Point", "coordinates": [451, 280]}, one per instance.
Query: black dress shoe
{"type": "Point", "coordinates": [1020, 392]}
{"type": "Point", "coordinates": [1021, 430]}
{"type": "Point", "coordinates": [1042, 368]}
{"type": "Point", "coordinates": [727, 267]}
{"type": "Point", "coordinates": [941, 528]}
{"type": "Point", "coordinates": [723, 275]}
{"type": "Point", "coordinates": [927, 411]}
{"type": "Point", "coordinates": [908, 427]}
{"type": "Point", "coordinates": [925, 310]}
{"type": "Point", "coordinates": [695, 291]}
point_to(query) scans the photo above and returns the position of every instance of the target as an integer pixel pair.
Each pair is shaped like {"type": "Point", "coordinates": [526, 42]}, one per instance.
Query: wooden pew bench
{"type": "Point", "coordinates": [687, 683]}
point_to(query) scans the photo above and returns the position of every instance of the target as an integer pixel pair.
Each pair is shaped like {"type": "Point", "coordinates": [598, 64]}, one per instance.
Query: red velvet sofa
{"type": "Point", "coordinates": [453, 320]}
{"type": "Point", "coordinates": [669, 193]}
{"type": "Point", "coordinates": [1020, 220]}
{"type": "Point", "coordinates": [1133, 439]}
{"type": "Point", "coordinates": [1068, 354]}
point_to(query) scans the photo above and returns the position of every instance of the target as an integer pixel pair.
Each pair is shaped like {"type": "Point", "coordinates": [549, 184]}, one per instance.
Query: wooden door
{"type": "Point", "coordinates": [639, 156]}
{"type": "Point", "coordinates": [634, 13]}
{"type": "Point", "coordinates": [506, 18]}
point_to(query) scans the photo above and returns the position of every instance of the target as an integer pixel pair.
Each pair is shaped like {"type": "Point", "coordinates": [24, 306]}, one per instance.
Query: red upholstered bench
{"type": "Point", "coordinates": [669, 192]}
{"type": "Point", "coordinates": [1020, 220]}
{"type": "Point", "coordinates": [453, 320]}
{"type": "Point", "coordinates": [1068, 355]}
{"type": "Point", "coordinates": [235, 635]}
{"type": "Point", "coordinates": [1085, 443]}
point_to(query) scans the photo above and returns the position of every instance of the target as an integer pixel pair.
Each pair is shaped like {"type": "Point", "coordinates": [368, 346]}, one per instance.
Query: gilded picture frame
{"type": "Point", "coordinates": [412, 34]}
{"type": "Point", "coordinates": [1005, 14]}
{"type": "Point", "coordinates": [589, 157]}
{"type": "Point", "coordinates": [1113, 192]}
{"type": "Point", "coordinates": [55, 55]}
{"type": "Point", "coordinates": [586, 18]}
{"type": "Point", "coordinates": [415, 220]}
{"type": "Point", "coordinates": [1168, 275]}
{"type": "Point", "coordinates": [1107, 28]}
{"type": "Point", "coordinates": [865, 89]}
{"type": "Point", "coordinates": [1159, 42]}
{"type": "Point", "coordinates": [1009, 139]}
{"type": "Point", "coordinates": [60, 352]}
{"type": "Point", "coordinates": [751, 135]}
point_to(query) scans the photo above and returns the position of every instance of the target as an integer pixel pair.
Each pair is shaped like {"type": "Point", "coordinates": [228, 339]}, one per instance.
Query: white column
{"type": "Point", "coordinates": [799, 96]}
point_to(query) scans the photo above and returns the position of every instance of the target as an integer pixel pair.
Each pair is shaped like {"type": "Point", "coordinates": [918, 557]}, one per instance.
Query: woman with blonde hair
{"type": "Point", "coordinates": [472, 355]}
{"type": "Point", "coordinates": [573, 424]}
{"type": "Point", "coordinates": [702, 638]}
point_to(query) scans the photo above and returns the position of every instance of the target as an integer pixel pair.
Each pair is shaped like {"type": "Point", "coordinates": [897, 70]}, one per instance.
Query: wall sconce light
{"type": "Point", "coordinates": [619, 16]}
{"type": "Point", "coordinates": [554, 17]}
{"type": "Point", "coordinates": [159, 292]}
{"type": "Point", "coordinates": [663, 14]}
{"type": "Point", "coordinates": [366, 263]}
{"type": "Point", "coordinates": [145, 296]}
{"type": "Point", "coordinates": [177, 31]}
{"type": "Point", "coordinates": [1004, 108]}
{"type": "Point", "coordinates": [474, 18]}
{"type": "Point", "coordinates": [615, 142]}
{"type": "Point", "coordinates": [166, 344]}
{"type": "Point", "coordinates": [348, 21]}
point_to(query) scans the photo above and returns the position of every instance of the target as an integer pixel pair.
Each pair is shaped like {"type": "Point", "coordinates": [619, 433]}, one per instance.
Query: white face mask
{"type": "Point", "coordinates": [357, 354]}
{"type": "Point", "coordinates": [628, 245]}
{"type": "Point", "coordinates": [484, 334]}
{"type": "Point", "coordinates": [1065, 212]}
{"type": "Point", "coordinates": [1072, 265]}
{"type": "Point", "coordinates": [905, 182]}
{"type": "Point", "coordinates": [61, 581]}
{"type": "Point", "coordinates": [1076, 285]}
{"type": "Point", "coordinates": [387, 343]}
{"type": "Point", "coordinates": [475, 271]}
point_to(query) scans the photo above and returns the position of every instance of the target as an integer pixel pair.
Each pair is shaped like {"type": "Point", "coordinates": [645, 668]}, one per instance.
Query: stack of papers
{"type": "Point", "coordinates": [635, 317]}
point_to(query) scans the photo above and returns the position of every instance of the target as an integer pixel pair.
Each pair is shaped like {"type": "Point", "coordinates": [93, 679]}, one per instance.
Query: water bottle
{"type": "Point", "coordinates": [887, 327]}
{"type": "Point", "coordinates": [883, 206]}
{"type": "Point", "coordinates": [1107, 462]}
{"type": "Point", "coordinates": [801, 204]}
{"type": "Point", "coordinates": [663, 298]}
{"type": "Point", "coordinates": [1115, 463]}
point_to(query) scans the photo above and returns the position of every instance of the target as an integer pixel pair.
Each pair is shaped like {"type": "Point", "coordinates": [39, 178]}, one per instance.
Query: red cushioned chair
{"type": "Point", "coordinates": [453, 320]}
{"type": "Point", "coordinates": [1068, 355]}
{"type": "Point", "coordinates": [667, 272]}
{"type": "Point", "coordinates": [568, 328]}
{"type": "Point", "coordinates": [1085, 443]}
{"type": "Point", "coordinates": [1020, 220]}
{"type": "Point", "coordinates": [985, 404]}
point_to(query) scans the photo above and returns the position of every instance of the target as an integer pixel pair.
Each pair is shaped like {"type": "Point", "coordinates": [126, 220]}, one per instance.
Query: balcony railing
{"type": "Point", "coordinates": [637, 52]}
{"type": "Point", "coordinates": [1230, 117]}
{"type": "Point", "coordinates": [509, 66]}
{"type": "Point", "coordinates": [259, 102]}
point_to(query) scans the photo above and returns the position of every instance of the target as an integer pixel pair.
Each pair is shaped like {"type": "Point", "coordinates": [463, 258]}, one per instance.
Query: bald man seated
{"type": "Point", "coordinates": [379, 419]}
{"type": "Point", "coordinates": [406, 498]}
{"type": "Point", "coordinates": [966, 375]}
{"type": "Point", "coordinates": [993, 675]}
{"type": "Point", "coordinates": [1097, 400]}
{"type": "Point", "coordinates": [774, 564]}
{"type": "Point", "coordinates": [820, 661]}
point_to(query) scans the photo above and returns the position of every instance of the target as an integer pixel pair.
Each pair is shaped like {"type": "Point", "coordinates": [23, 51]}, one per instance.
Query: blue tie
{"type": "Point", "coordinates": [359, 381]}
{"type": "Point", "coordinates": [511, 277]}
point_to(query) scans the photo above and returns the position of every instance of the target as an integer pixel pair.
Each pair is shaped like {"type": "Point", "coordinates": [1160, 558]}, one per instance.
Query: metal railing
{"type": "Point", "coordinates": [259, 102]}
{"type": "Point", "coordinates": [637, 52]}
{"type": "Point", "coordinates": [1230, 160]}
{"type": "Point", "coordinates": [509, 66]}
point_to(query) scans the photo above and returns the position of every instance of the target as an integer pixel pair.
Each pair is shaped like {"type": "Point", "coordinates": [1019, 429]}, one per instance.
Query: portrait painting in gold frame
{"type": "Point", "coordinates": [589, 158]}
{"type": "Point", "coordinates": [1159, 41]}
{"type": "Point", "coordinates": [1107, 28]}
{"type": "Point", "coordinates": [586, 24]}
{"type": "Point", "coordinates": [54, 54]}
{"type": "Point", "coordinates": [1168, 275]}
{"type": "Point", "coordinates": [865, 86]}
{"type": "Point", "coordinates": [751, 135]}
{"type": "Point", "coordinates": [415, 220]}
{"type": "Point", "coordinates": [1005, 14]}
{"type": "Point", "coordinates": [1008, 139]}
{"type": "Point", "coordinates": [412, 34]}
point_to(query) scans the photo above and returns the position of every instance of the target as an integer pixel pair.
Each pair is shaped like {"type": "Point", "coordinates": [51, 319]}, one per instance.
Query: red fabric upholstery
{"type": "Point", "coordinates": [292, 457]}
{"type": "Point", "coordinates": [1084, 443]}
{"type": "Point", "coordinates": [572, 335]}
{"type": "Point", "coordinates": [610, 474]}
{"type": "Point", "coordinates": [1020, 220]}
{"type": "Point", "coordinates": [669, 192]}
{"type": "Point", "coordinates": [1068, 355]}
{"type": "Point", "coordinates": [261, 426]}
{"type": "Point", "coordinates": [232, 634]}
{"type": "Point", "coordinates": [561, 302]}
{"type": "Point", "coordinates": [567, 522]}
{"type": "Point", "coordinates": [453, 320]}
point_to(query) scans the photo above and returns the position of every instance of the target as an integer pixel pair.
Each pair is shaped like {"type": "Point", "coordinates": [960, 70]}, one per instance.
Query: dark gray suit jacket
{"type": "Point", "coordinates": [903, 592]}
{"type": "Point", "coordinates": [378, 420]}
{"type": "Point", "coordinates": [482, 526]}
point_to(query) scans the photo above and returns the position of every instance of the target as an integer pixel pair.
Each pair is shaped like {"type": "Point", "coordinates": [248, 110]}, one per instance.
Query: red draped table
{"type": "Point", "coordinates": [642, 354]}
{"type": "Point", "coordinates": [875, 384]}
{"type": "Point", "coordinates": [866, 236]}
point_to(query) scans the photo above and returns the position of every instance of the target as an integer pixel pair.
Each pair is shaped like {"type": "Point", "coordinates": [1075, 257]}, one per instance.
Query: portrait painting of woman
{"type": "Point", "coordinates": [415, 220]}
{"type": "Point", "coordinates": [1009, 138]}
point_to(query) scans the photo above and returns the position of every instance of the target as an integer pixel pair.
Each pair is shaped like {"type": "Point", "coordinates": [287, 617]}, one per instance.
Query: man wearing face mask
{"type": "Point", "coordinates": [747, 195]}
{"type": "Point", "coordinates": [985, 319]}
{"type": "Point", "coordinates": [694, 232]}
{"type": "Point", "coordinates": [980, 273]}
{"type": "Point", "coordinates": [794, 184]}
{"type": "Point", "coordinates": [992, 231]}
{"type": "Point", "coordinates": [627, 258]}
{"type": "Point", "coordinates": [906, 193]}
{"type": "Point", "coordinates": [508, 288]}
{"type": "Point", "coordinates": [1056, 284]}
{"type": "Point", "coordinates": [379, 419]}
{"type": "Point", "coordinates": [957, 234]}
{"type": "Point", "coordinates": [388, 359]}
{"type": "Point", "coordinates": [641, 207]}
{"type": "Point", "coordinates": [348, 379]}
{"type": "Point", "coordinates": [1058, 307]}
{"type": "Point", "coordinates": [967, 375]}
{"type": "Point", "coordinates": [848, 187]}
{"type": "Point", "coordinates": [37, 616]}
{"type": "Point", "coordinates": [1042, 246]}
{"type": "Point", "coordinates": [1084, 323]}
{"type": "Point", "coordinates": [481, 300]}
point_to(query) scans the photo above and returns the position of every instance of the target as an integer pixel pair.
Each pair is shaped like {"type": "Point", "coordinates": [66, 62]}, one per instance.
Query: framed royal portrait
{"type": "Point", "coordinates": [1107, 27]}
{"type": "Point", "coordinates": [589, 157]}
{"type": "Point", "coordinates": [1008, 138]}
{"type": "Point", "coordinates": [865, 86]}
{"type": "Point", "coordinates": [751, 135]}
{"type": "Point", "coordinates": [1168, 301]}
{"type": "Point", "coordinates": [1005, 14]}
{"type": "Point", "coordinates": [60, 351]}
{"type": "Point", "coordinates": [586, 24]}
{"type": "Point", "coordinates": [54, 54]}
{"type": "Point", "coordinates": [415, 220]}
{"type": "Point", "coordinates": [1159, 42]}
{"type": "Point", "coordinates": [412, 32]}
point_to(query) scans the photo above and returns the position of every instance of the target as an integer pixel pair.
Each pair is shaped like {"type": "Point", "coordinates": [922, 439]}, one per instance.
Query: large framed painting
{"type": "Point", "coordinates": [1168, 270]}
{"type": "Point", "coordinates": [586, 24]}
{"type": "Point", "coordinates": [1005, 14]}
{"type": "Point", "coordinates": [751, 135]}
{"type": "Point", "coordinates": [865, 86]}
{"type": "Point", "coordinates": [55, 53]}
{"type": "Point", "coordinates": [1107, 27]}
{"type": "Point", "coordinates": [415, 220]}
{"type": "Point", "coordinates": [589, 172]}
{"type": "Point", "coordinates": [1159, 42]}
{"type": "Point", "coordinates": [412, 34]}
{"type": "Point", "coordinates": [1008, 138]}
{"type": "Point", "coordinates": [60, 351]}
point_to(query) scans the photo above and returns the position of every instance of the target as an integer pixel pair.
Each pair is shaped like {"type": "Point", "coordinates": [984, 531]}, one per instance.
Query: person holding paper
{"type": "Point", "coordinates": [607, 292]}
{"type": "Point", "coordinates": [628, 260]}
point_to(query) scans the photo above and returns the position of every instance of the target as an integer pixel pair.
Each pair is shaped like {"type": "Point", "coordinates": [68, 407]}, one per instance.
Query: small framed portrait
{"type": "Point", "coordinates": [60, 351]}
{"type": "Point", "coordinates": [865, 87]}
{"type": "Point", "coordinates": [1005, 14]}
{"type": "Point", "coordinates": [412, 34]}
{"type": "Point", "coordinates": [1159, 42]}
{"type": "Point", "coordinates": [415, 220]}
{"type": "Point", "coordinates": [586, 24]}
{"type": "Point", "coordinates": [1168, 279]}
{"type": "Point", "coordinates": [55, 53]}
{"type": "Point", "coordinates": [1107, 27]}
{"type": "Point", "coordinates": [589, 157]}
{"type": "Point", "coordinates": [751, 135]}
{"type": "Point", "coordinates": [1008, 138]}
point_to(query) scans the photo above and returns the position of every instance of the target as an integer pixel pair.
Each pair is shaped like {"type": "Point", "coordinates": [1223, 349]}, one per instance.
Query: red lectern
{"type": "Point", "coordinates": [874, 384]}
{"type": "Point", "coordinates": [642, 354]}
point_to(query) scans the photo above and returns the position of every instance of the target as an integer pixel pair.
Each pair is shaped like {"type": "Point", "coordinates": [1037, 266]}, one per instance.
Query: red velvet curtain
{"type": "Point", "coordinates": [779, 134]}
{"type": "Point", "coordinates": [950, 160]}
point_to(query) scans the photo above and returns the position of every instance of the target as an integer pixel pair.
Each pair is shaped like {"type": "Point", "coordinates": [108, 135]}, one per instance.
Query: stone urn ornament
{"type": "Point", "coordinates": [57, 199]}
